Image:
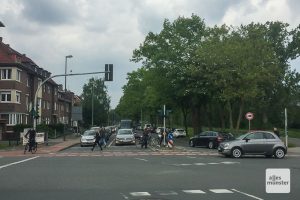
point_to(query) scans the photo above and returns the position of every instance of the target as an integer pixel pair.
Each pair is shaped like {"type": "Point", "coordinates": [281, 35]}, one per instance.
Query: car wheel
{"type": "Point", "coordinates": [279, 153]}
{"type": "Point", "coordinates": [236, 153]}
{"type": "Point", "coordinates": [211, 145]}
{"type": "Point", "coordinates": [192, 143]}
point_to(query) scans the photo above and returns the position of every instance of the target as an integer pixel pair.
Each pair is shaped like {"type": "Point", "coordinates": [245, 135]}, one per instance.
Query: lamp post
{"type": "Point", "coordinates": [93, 104]}
{"type": "Point", "coordinates": [66, 65]}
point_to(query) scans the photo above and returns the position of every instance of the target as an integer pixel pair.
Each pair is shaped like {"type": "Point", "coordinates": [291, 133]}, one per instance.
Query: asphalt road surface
{"type": "Point", "coordinates": [131, 173]}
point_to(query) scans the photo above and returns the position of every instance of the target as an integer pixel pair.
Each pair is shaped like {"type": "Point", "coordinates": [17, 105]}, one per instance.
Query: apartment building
{"type": "Point", "coordinates": [19, 80]}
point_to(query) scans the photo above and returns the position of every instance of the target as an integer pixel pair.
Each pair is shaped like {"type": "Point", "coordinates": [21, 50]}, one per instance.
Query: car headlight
{"type": "Point", "coordinates": [226, 145]}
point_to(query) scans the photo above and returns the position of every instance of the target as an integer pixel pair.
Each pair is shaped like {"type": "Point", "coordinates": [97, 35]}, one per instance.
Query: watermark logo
{"type": "Point", "coordinates": [278, 180]}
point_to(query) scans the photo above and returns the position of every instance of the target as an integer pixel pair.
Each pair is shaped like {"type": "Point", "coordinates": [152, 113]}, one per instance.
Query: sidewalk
{"type": "Point", "coordinates": [54, 146]}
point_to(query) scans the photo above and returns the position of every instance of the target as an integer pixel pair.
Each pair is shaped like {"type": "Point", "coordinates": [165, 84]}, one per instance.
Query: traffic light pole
{"type": "Point", "coordinates": [59, 75]}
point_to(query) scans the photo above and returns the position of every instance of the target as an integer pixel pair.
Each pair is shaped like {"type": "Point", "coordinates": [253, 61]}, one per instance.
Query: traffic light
{"type": "Point", "coordinates": [108, 72]}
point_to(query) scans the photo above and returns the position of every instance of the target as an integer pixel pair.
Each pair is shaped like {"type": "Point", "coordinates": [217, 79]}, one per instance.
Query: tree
{"type": "Point", "coordinates": [95, 92]}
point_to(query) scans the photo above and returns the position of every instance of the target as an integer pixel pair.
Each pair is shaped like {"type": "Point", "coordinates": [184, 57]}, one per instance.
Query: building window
{"type": "Point", "coordinates": [48, 89]}
{"type": "Point", "coordinates": [55, 91]}
{"type": "Point", "coordinates": [18, 75]}
{"type": "Point", "coordinates": [48, 105]}
{"type": "Point", "coordinates": [55, 106]}
{"type": "Point", "coordinates": [18, 97]}
{"type": "Point", "coordinates": [13, 119]}
{"type": "Point", "coordinates": [5, 74]}
{"type": "Point", "coordinates": [5, 96]}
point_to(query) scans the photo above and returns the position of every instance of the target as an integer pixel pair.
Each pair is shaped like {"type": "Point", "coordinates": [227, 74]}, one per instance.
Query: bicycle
{"type": "Point", "coordinates": [33, 148]}
{"type": "Point", "coordinates": [154, 141]}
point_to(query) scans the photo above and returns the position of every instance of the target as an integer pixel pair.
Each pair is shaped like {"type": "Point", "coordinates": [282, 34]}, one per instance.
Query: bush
{"type": "Point", "coordinates": [20, 127]}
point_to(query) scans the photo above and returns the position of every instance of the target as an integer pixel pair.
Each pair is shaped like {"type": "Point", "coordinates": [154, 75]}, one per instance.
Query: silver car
{"type": "Point", "coordinates": [125, 136]}
{"type": "Point", "coordinates": [254, 143]}
{"type": "Point", "coordinates": [88, 138]}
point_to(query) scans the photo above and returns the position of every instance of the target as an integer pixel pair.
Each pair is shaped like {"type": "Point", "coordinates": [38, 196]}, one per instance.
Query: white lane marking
{"type": "Point", "coordinates": [199, 164]}
{"type": "Point", "coordinates": [213, 163]}
{"type": "Point", "coordinates": [166, 193]}
{"type": "Point", "coordinates": [140, 194]}
{"type": "Point", "coordinates": [230, 163]}
{"type": "Point", "coordinates": [21, 161]}
{"type": "Point", "coordinates": [193, 191]}
{"type": "Point", "coordinates": [142, 159]}
{"type": "Point", "coordinates": [249, 195]}
{"type": "Point", "coordinates": [220, 191]}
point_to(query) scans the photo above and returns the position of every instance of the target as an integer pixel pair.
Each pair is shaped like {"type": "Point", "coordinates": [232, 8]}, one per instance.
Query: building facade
{"type": "Point", "coordinates": [19, 80]}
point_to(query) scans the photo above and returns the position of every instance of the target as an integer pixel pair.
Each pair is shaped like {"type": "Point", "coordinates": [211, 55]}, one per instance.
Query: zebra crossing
{"type": "Point", "coordinates": [128, 154]}
{"type": "Point", "coordinates": [201, 193]}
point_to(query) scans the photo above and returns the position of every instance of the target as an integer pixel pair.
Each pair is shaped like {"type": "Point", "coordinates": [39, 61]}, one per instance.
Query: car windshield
{"type": "Point", "coordinates": [125, 132]}
{"type": "Point", "coordinates": [242, 136]}
{"type": "Point", "coordinates": [89, 133]}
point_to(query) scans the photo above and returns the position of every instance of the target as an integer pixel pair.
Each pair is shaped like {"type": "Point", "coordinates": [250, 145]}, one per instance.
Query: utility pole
{"type": "Point", "coordinates": [93, 104]}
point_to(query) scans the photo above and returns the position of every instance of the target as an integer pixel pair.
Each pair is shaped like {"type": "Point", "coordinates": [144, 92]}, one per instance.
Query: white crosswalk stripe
{"type": "Point", "coordinates": [193, 191]}
{"type": "Point", "coordinates": [221, 191]}
{"type": "Point", "coordinates": [187, 192]}
{"type": "Point", "coordinates": [140, 194]}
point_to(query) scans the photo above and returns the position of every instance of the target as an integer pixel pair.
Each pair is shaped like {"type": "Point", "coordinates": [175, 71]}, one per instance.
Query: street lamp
{"type": "Point", "coordinates": [66, 65]}
{"type": "Point", "coordinates": [93, 104]}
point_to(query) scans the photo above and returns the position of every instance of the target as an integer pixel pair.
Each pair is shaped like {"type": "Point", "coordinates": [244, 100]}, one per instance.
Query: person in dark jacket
{"type": "Point", "coordinates": [145, 138]}
{"type": "Point", "coordinates": [97, 141]}
{"type": "Point", "coordinates": [30, 135]}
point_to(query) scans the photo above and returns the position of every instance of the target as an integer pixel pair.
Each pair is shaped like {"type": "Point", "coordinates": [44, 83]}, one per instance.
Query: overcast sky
{"type": "Point", "coordinates": [97, 32]}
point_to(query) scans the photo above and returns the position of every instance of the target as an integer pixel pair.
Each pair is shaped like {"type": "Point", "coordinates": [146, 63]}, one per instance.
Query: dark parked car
{"type": "Point", "coordinates": [256, 142]}
{"type": "Point", "coordinates": [210, 139]}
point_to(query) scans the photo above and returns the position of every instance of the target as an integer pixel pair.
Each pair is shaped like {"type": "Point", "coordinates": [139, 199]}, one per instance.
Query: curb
{"type": "Point", "coordinates": [69, 146]}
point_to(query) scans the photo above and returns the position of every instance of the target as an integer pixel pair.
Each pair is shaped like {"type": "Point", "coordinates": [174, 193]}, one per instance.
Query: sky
{"type": "Point", "coordinates": [99, 32]}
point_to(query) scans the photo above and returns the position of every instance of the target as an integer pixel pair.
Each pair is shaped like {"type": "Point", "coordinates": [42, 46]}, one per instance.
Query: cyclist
{"type": "Point", "coordinates": [30, 135]}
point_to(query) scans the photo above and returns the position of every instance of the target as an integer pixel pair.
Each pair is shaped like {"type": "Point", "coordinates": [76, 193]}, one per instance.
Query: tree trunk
{"type": "Point", "coordinates": [230, 115]}
{"type": "Point", "coordinates": [196, 119]}
{"type": "Point", "coordinates": [208, 114]}
{"type": "Point", "coordinates": [184, 112]}
{"type": "Point", "coordinates": [222, 117]}
{"type": "Point", "coordinates": [265, 119]}
{"type": "Point", "coordinates": [240, 114]}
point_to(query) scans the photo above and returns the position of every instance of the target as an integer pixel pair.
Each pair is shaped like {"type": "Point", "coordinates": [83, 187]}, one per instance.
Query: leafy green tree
{"type": "Point", "coordinates": [95, 92]}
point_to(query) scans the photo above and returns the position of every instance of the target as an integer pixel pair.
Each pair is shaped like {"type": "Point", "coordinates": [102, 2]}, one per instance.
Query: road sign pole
{"type": "Point", "coordinates": [285, 128]}
{"type": "Point", "coordinates": [164, 125]}
{"type": "Point", "coordinates": [249, 125]}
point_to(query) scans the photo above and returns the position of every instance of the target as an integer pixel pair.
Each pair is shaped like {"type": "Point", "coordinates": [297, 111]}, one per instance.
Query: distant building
{"type": "Point", "coordinates": [19, 80]}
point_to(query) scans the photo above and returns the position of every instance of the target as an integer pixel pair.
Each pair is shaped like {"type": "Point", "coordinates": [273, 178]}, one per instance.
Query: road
{"type": "Point", "coordinates": [128, 172]}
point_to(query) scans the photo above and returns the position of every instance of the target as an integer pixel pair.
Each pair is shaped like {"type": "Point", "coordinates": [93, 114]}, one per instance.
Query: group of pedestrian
{"type": "Point", "coordinates": [100, 139]}
{"type": "Point", "coordinates": [166, 136]}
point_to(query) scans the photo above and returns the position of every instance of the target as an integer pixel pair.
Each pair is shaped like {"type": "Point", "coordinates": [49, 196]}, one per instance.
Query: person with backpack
{"type": "Point", "coordinates": [97, 141]}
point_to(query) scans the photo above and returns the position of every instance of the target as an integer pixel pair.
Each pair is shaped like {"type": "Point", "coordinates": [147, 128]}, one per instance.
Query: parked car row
{"type": "Point", "coordinates": [252, 143]}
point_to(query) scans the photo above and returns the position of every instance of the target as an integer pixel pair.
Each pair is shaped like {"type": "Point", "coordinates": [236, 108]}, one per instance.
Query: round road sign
{"type": "Point", "coordinates": [249, 115]}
